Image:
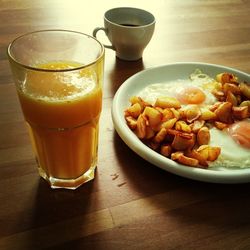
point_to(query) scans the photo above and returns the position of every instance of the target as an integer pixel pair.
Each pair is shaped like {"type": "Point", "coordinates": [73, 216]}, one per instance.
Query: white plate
{"type": "Point", "coordinates": [167, 73]}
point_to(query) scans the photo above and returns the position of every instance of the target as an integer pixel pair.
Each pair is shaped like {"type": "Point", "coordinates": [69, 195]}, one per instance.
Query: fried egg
{"type": "Point", "coordinates": [195, 90]}
{"type": "Point", "coordinates": [234, 143]}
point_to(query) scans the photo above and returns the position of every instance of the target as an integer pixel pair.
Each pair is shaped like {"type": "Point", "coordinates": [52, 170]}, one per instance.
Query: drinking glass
{"type": "Point", "coordinates": [58, 76]}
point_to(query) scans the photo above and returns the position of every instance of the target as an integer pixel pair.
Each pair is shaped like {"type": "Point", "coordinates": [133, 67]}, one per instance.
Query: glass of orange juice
{"type": "Point", "coordinates": [58, 76]}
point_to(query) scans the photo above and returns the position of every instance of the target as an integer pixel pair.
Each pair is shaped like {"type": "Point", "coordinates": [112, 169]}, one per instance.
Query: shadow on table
{"type": "Point", "coordinates": [121, 71]}
{"type": "Point", "coordinates": [184, 201]}
{"type": "Point", "coordinates": [60, 215]}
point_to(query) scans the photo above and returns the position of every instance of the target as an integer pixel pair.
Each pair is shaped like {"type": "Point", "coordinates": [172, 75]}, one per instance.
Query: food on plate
{"type": "Point", "coordinates": [200, 122]}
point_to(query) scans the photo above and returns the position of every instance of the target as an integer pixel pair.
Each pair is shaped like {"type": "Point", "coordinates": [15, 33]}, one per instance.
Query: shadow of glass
{"type": "Point", "coordinates": [61, 214]}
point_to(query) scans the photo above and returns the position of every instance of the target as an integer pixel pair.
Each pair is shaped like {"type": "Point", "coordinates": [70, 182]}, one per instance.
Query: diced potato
{"type": "Point", "coordinates": [192, 113]}
{"type": "Point", "coordinates": [231, 98]}
{"type": "Point", "coordinates": [220, 125]}
{"type": "Point", "coordinates": [203, 136]}
{"type": "Point", "coordinates": [167, 102]}
{"type": "Point", "coordinates": [169, 124]}
{"type": "Point", "coordinates": [246, 103]}
{"type": "Point", "coordinates": [182, 126]}
{"type": "Point", "coordinates": [135, 110]}
{"type": "Point", "coordinates": [224, 112]}
{"type": "Point", "coordinates": [233, 88]}
{"type": "Point", "coordinates": [226, 78]}
{"type": "Point", "coordinates": [153, 116]}
{"type": "Point", "coordinates": [241, 113]}
{"type": "Point", "coordinates": [208, 152]}
{"type": "Point", "coordinates": [183, 141]}
{"type": "Point", "coordinates": [207, 114]}
{"type": "Point", "coordinates": [150, 133]}
{"type": "Point", "coordinates": [166, 150]}
{"type": "Point", "coordinates": [160, 136]}
{"type": "Point", "coordinates": [196, 125]}
{"type": "Point", "coordinates": [132, 122]}
{"type": "Point", "coordinates": [137, 99]}
{"type": "Point", "coordinates": [181, 158]}
{"type": "Point", "coordinates": [167, 114]}
{"type": "Point", "coordinates": [219, 94]}
{"type": "Point", "coordinates": [141, 127]}
{"type": "Point", "coordinates": [245, 89]}
{"type": "Point", "coordinates": [176, 113]}
{"type": "Point", "coordinates": [196, 155]}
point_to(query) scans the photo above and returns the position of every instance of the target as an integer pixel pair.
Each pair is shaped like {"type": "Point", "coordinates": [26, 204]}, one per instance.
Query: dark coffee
{"type": "Point", "coordinates": [129, 25]}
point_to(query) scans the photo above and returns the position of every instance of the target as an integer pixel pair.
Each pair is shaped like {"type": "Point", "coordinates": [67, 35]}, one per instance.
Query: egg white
{"type": "Point", "coordinates": [232, 154]}
{"type": "Point", "coordinates": [153, 91]}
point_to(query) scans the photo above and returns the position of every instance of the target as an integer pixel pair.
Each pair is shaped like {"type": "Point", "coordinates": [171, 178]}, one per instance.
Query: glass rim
{"type": "Point", "coordinates": [12, 58]}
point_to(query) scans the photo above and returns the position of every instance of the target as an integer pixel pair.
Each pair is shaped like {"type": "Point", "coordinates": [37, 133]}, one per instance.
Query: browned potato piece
{"type": "Point", "coordinates": [135, 110]}
{"type": "Point", "coordinates": [153, 116]}
{"type": "Point", "coordinates": [196, 125]}
{"type": "Point", "coordinates": [166, 150]}
{"type": "Point", "coordinates": [141, 127]}
{"type": "Point", "coordinates": [176, 113]}
{"type": "Point", "coordinates": [160, 136]}
{"type": "Point", "coordinates": [220, 125]}
{"type": "Point", "coordinates": [150, 133]}
{"type": "Point", "coordinates": [181, 158]}
{"type": "Point", "coordinates": [167, 114]}
{"type": "Point", "coordinates": [240, 113]}
{"type": "Point", "coordinates": [215, 106]}
{"type": "Point", "coordinates": [167, 102]}
{"type": "Point", "coordinates": [223, 112]}
{"type": "Point", "coordinates": [183, 141]}
{"type": "Point", "coordinates": [192, 113]}
{"type": "Point", "coordinates": [182, 126]}
{"type": "Point", "coordinates": [153, 145]}
{"type": "Point", "coordinates": [207, 114]}
{"type": "Point", "coordinates": [203, 136]}
{"type": "Point", "coordinates": [245, 89]}
{"type": "Point", "coordinates": [137, 99]}
{"type": "Point", "coordinates": [231, 98]}
{"type": "Point", "coordinates": [246, 103]}
{"type": "Point", "coordinates": [169, 124]}
{"type": "Point", "coordinates": [233, 88]}
{"type": "Point", "coordinates": [219, 94]}
{"type": "Point", "coordinates": [226, 78]}
{"type": "Point", "coordinates": [196, 155]}
{"type": "Point", "coordinates": [209, 153]}
{"type": "Point", "coordinates": [131, 121]}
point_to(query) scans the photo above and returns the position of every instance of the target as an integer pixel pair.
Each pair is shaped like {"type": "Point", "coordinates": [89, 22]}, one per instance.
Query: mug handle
{"type": "Point", "coordinates": [95, 33]}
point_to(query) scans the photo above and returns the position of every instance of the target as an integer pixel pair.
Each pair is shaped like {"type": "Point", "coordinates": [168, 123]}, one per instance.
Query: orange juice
{"type": "Point", "coordinates": [62, 110]}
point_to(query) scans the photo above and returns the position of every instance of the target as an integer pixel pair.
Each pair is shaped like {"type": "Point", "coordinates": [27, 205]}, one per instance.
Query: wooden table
{"type": "Point", "coordinates": [131, 204]}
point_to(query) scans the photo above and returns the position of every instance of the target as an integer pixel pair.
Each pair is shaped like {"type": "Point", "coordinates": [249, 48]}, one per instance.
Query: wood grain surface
{"type": "Point", "coordinates": [131, 204]}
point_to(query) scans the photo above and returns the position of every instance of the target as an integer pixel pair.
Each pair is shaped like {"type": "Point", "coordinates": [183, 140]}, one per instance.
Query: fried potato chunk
{"type": "Point", "coordinates": [203, 136]}
{"type": "Point", "coordinates": [134, 110]}
{"type": "Point", "coordinates": [245, 89]}
{"type": "Point", "coordinates": [167, 102]}
{"type": "Point", "coordinates": [141, 127]}
{"type": "Point", "coordinates": [208, 152]}
{"type": "Point", "coordinates": [223, 112]}
{"type": "Point", "coordinates": [181, 158]}
{"type": "Point", "coordinates": [153, 116]}
{"type": "Point", "coordinates": [183, 141]}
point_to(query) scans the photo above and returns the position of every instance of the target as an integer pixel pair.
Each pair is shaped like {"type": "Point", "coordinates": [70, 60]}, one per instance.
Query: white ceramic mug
{"type": "Point", "coordinates": [129, 30]}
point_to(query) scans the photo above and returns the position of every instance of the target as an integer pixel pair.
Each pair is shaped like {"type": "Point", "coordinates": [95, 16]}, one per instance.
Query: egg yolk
{"type": "Point", "coordinates": [190, 95]}
{"type": "Point", "coordinates": [240, 132]}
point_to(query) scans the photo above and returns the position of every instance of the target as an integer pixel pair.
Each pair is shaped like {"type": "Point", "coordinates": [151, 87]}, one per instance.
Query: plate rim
{"type": "Point", "coordinates": [134, 143]}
